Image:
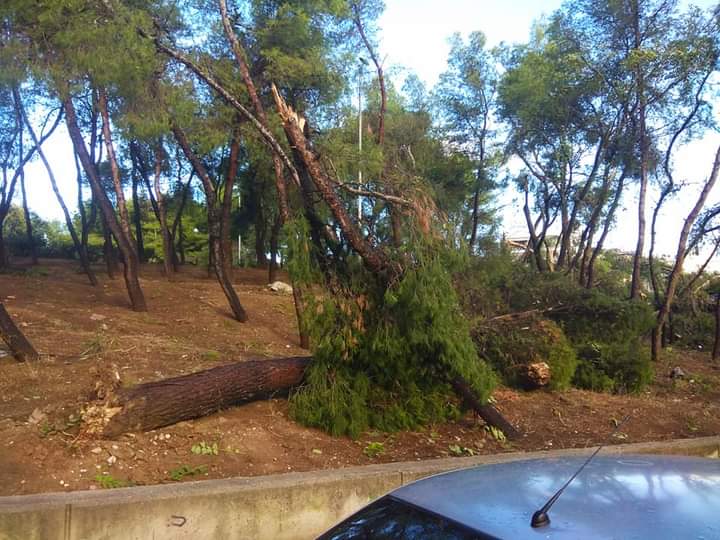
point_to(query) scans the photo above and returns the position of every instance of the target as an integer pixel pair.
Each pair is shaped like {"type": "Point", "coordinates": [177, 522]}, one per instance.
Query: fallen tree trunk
{"type": "Point", "coordinates": [162, 403]}
{"type": "Point", "coordinates": [487, 412]}
{"type": "Point", "coordinates": [19, 346]}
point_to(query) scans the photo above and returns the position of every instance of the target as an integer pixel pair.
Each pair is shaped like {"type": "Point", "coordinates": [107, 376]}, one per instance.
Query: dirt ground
{"type": "Point", "coordinates": [83, 332]}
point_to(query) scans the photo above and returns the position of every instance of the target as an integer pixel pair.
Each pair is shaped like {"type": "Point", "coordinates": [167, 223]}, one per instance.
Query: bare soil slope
{"type": "Point", "coordinates": [85, 333]}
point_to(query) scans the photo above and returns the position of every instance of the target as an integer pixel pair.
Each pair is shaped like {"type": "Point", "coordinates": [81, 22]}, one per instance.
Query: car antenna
{"type": "Point", "coordinates": [540, 518]}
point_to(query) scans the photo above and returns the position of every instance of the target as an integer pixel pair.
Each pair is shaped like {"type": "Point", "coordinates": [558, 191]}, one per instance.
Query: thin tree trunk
{"type": "Point", "coordinates": [227, 201]}
{"type": "Point", "coordinates": [475, 213]}
{"type": "Point", "coordinates": [137, 219]}
{"type": "Point", "coordinates": [130, 273]}
{"type": "Point", "coordinates": [635, 283]}
{"type": "Point", "coordinates": [165, 231]}
{"type": "Point", "coordinates": [82, 255]}
{"type": "Point", "coordinates": [214, 227]}
{"type": "Point", "coordinates": [606, 229]}
{"type": "Point", "coordinates": [177, 226]}
{"type": "Point", "coordinates": [115, 170]}
{"type": "Point", "coordinates": [260, 233]}
{"type": "Point", "coordinates": [111, 263]}
{"type": "Point", "coordinates": [28, 221]}
{"type": "Point", "coordinates": [274, 241]}
{"type": "Point", "coordinates": [680, 257]}
{"type": "Point", "coordinates": [716, 344]}
{"type": "Point", "coordinates": [18, 344]}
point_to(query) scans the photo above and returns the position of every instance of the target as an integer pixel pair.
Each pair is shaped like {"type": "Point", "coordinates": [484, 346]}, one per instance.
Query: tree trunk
{"type": "Point", "coordinates": [111, 263]}
{"type": "Point", "coordinates": [18, 344]}
{"type": "Point", "coordinates": [487, 412]}
{"type": "Point", "coordinates": [28, 221]}
{"type": "Point", "coordinates": [716, 344]}
{"type": "Point", "coordinates": [274, 241]}
{"type": "Point", "coordinates": [82, 255]}
{"type": "Point", "coordinates": [130, 273]}
{"type": "Point", "coordinates": [162, 403]}
{"type": "Point", "coordinates": [214, 227]}
{"type": "Point", "coordinates": [635, 283]}
{"type": "Point", "coordinates": [226, 213]}
{"type": "Point", "coordinates": [162, 211]}
{"type": "Point", "coordinates": [4, 258]}
{"type": "Point", "coordinates": [115, 170]}
{"type": "Point", "coordinates": [680, 257]}
{"type": "Point", "coordinates": [137, 219]}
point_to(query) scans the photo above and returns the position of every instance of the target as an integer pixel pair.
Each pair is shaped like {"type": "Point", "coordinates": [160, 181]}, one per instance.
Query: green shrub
{"type": "Point", "coordinates": [608, 333]}
{"type": "Point", "coordinates": [511, 347]}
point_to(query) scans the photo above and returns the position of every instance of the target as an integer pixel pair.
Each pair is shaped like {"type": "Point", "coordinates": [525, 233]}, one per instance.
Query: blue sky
{"type": "Point", "coordinates": [414, 35]}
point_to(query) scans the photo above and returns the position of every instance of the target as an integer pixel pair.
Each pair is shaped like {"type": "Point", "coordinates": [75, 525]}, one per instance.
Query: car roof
{"type": "Point", "coordinates": [614, 497]}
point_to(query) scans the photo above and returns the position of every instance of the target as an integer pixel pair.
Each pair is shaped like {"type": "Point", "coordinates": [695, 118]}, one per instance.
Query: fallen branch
{"type": "Point", "coordinates": [16, 341]}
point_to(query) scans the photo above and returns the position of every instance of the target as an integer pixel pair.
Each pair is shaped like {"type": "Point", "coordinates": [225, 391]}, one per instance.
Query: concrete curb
{"type": "Point", "coordinates": [285, 506]}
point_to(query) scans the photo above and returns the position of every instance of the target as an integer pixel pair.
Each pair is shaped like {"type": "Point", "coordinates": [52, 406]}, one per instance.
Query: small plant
{"type": "Point", "coordinates": [210, 356]}
{"type": "Point", "coordinates": [496, 433]}
{"type": "Point", "coordinates": [457, 450]}
{"type": "Point", "coordinates": [374, 449]}
{"type": "Point", "coordinates": [45, 429]}
{"type": "Point", "coordinates": [108, 481]}
{"type": "Point", "coordinates": [204, 449]}
{"type": "Point", "coordinates": [186, 470]}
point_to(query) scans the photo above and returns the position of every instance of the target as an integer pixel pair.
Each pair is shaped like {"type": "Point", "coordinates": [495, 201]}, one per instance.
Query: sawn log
{"type": "Point", "coordinates": [162, 403]}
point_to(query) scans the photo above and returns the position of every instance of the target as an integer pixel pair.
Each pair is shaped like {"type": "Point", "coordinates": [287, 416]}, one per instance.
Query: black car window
{"type": "Point", "coordinates": [390, 518]}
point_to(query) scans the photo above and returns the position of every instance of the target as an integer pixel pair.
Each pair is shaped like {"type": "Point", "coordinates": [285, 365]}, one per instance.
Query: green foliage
{"type": "Point", "coordinates": [108, 481]}
{"type": "Point", "coordinates": [608, 333]}
{"type": "Point", "coordinates": [374, 449]}
{"type": "Point", "coordinates": [205, 449]}
{"type": "Point", "coordinates": [184, 471]}
{"type": "Point", "coordinates": [511, 347]}
{"type": "Point", "coordinates": [384, 357]}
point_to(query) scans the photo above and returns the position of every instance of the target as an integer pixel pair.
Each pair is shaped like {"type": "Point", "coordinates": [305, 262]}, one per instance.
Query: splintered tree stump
{"type": "Point", "coordinates": [162, 403]}
{"type": "Point", "coordinates": [19, 346]}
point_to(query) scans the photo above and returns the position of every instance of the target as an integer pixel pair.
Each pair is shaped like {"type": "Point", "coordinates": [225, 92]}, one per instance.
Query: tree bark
{"type": "Point", "coordinates": [162, 211]}
{"type": "Point", "coordinates": [226, 214]}
{"type": "Point", "coordinates": [487, 412]}
{"type": "Point", "coordinates": [640, 81]}
{"type": "Point", "coordinates": [214, 226]}
{"type": "Point", "coordinates": [18, 344]}
{"type": "Point", "coordinates": [716, 344]}
{"type": "Point", "coordinates": [130, 262]}
{"type": "Point", "coordinates": [82, 255]}
{"type": "Point", "coordinates": [137, 219]}
{"type": "Point", "coordinates": [28, 221]}
{"type": "Point", "coordinates": [162, 403]}
{"type": "Point", "coordinates": [274, 241]}
{"type": "Point", "coordinates": [680, 257]}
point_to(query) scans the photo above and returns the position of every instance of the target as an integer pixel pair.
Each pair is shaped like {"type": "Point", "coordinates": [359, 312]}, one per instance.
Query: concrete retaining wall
{"type": "Point", "coordinates": [286, 506]}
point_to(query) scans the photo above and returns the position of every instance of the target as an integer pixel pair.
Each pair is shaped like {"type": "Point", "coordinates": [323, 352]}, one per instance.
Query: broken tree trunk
{"type": "Point", "coordinates": [162, 403]}
{"type": "Point", "coordinates": [487, 412]}
{"type": "Point", "coordinates": [19, 346]}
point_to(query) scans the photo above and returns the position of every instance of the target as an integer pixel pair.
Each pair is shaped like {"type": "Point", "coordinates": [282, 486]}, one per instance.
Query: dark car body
{"type": "Point", "coordinates": [620, 497]}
